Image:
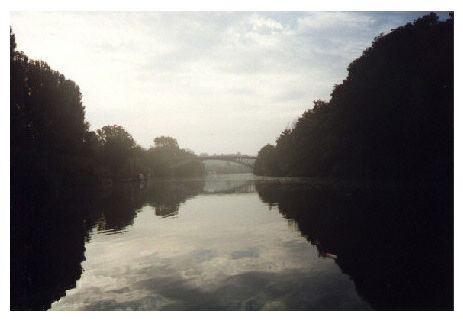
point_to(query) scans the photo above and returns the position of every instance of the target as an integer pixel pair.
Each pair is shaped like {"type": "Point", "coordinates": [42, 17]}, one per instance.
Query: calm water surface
{"type": "Point", "coordinates": [229, 243]}
{"type": "Point", "coordinates": [218, 251]}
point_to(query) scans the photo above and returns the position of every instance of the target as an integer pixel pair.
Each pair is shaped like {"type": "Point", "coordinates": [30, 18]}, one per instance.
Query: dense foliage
{"type": "Point", "coordinates": [48, 127]}
{"type": "Point", "coordinates": [51, 145]}
{"type": "Point", "coordinates": [167, 159]}
{"type": "Point", "coordinates": [392, 117]}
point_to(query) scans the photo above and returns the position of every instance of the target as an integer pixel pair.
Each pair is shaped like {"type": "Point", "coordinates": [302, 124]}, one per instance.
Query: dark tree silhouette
{"type": "Point", "coordinates": [115, 150]}
{"type": "Point", "coordinates": [166, 142]}
{"type": "Point", "coordinates": [166, 158]}
{"type": "Point", "coordinates": [267, 161]}
{"type": "Point", "coordinates": [47, 123]}
{"type": "Point", "coordinates": [391, 118]}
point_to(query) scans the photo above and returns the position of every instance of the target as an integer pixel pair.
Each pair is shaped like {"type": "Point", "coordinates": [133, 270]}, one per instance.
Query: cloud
{"type": "Point", "coordinates": [197, 75]}
{"type": "Point", "coordinates": [334, 21]}
{"type": "Point", "coordinates": [251, 253]}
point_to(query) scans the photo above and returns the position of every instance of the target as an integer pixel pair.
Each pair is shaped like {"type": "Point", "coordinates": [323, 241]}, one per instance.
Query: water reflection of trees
{"type": "Point", "coordinates": [166, 196]}
{"type": "Point", "coordinates": [49, 231]}
{"type": "Point", "coordinates": [395, 243]}
{"type": "Point", "coordinates": [119, 204]}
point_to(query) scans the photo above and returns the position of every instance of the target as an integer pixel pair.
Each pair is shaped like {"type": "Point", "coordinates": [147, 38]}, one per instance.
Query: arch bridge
{"type": "Point", "coordinates": [240, 159]}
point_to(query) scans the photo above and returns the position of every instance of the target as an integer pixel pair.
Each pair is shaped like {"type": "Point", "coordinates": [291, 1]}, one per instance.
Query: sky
{"type": "Point", "coordinates": [219, 82]}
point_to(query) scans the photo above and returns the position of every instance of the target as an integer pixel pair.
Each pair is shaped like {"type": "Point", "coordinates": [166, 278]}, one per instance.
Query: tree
{"type": "Point", "coordinates": [267, 162]}
{"type": "Point", "coordinates": [116, 150]}
{"type": "Point", "coordinates": [166, 142]}
{"type": "Point", "coordinates": [167, 159]}
{"type": "Point", "coordinates": [47, 124]}
{"type": "Point", "coordinates": [391, 118]}
{"type": "Point", "coordinates": [46, 108]}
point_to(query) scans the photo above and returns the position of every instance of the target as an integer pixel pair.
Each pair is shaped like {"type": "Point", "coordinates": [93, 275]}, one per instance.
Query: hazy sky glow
{"type": "Point", "coordinates": [219, 82]}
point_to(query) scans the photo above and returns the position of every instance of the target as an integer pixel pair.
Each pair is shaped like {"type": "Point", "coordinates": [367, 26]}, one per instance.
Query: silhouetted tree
{"type": "Point", "coordinates": [166, 142]}
{"type": "Point", "coordinates": [47, 123]}
{"type": "Point", "coordinates": [116, 149]}
{"type": "Point", "coordinates": [267, 162]}
{"type": "Point", "coordinates": [392, 117]}
{"type": "Point", "coordinates": [166, 158]}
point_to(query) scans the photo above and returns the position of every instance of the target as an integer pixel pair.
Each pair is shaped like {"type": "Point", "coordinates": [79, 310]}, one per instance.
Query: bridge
{"type": "Point", "coordinates": [240, 159]}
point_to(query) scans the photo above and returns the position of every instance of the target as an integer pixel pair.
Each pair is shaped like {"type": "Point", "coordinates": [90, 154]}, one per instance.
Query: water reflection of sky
{"type": "Point", "coordinates": [220, 252]}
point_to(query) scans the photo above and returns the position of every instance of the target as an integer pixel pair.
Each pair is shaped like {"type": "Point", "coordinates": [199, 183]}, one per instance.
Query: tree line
{"type": "Point", "coordinates": [391, 118]}
{"type": "Point", "coordinates": [52, 146]}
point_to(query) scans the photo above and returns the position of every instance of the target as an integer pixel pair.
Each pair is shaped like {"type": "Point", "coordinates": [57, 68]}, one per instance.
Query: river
{"type": "Point", "coordinates": [234, 242]}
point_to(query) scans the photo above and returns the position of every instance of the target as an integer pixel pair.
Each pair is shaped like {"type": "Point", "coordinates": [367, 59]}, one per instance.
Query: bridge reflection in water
{"type": "Point", "coordinates": [229, 184]}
